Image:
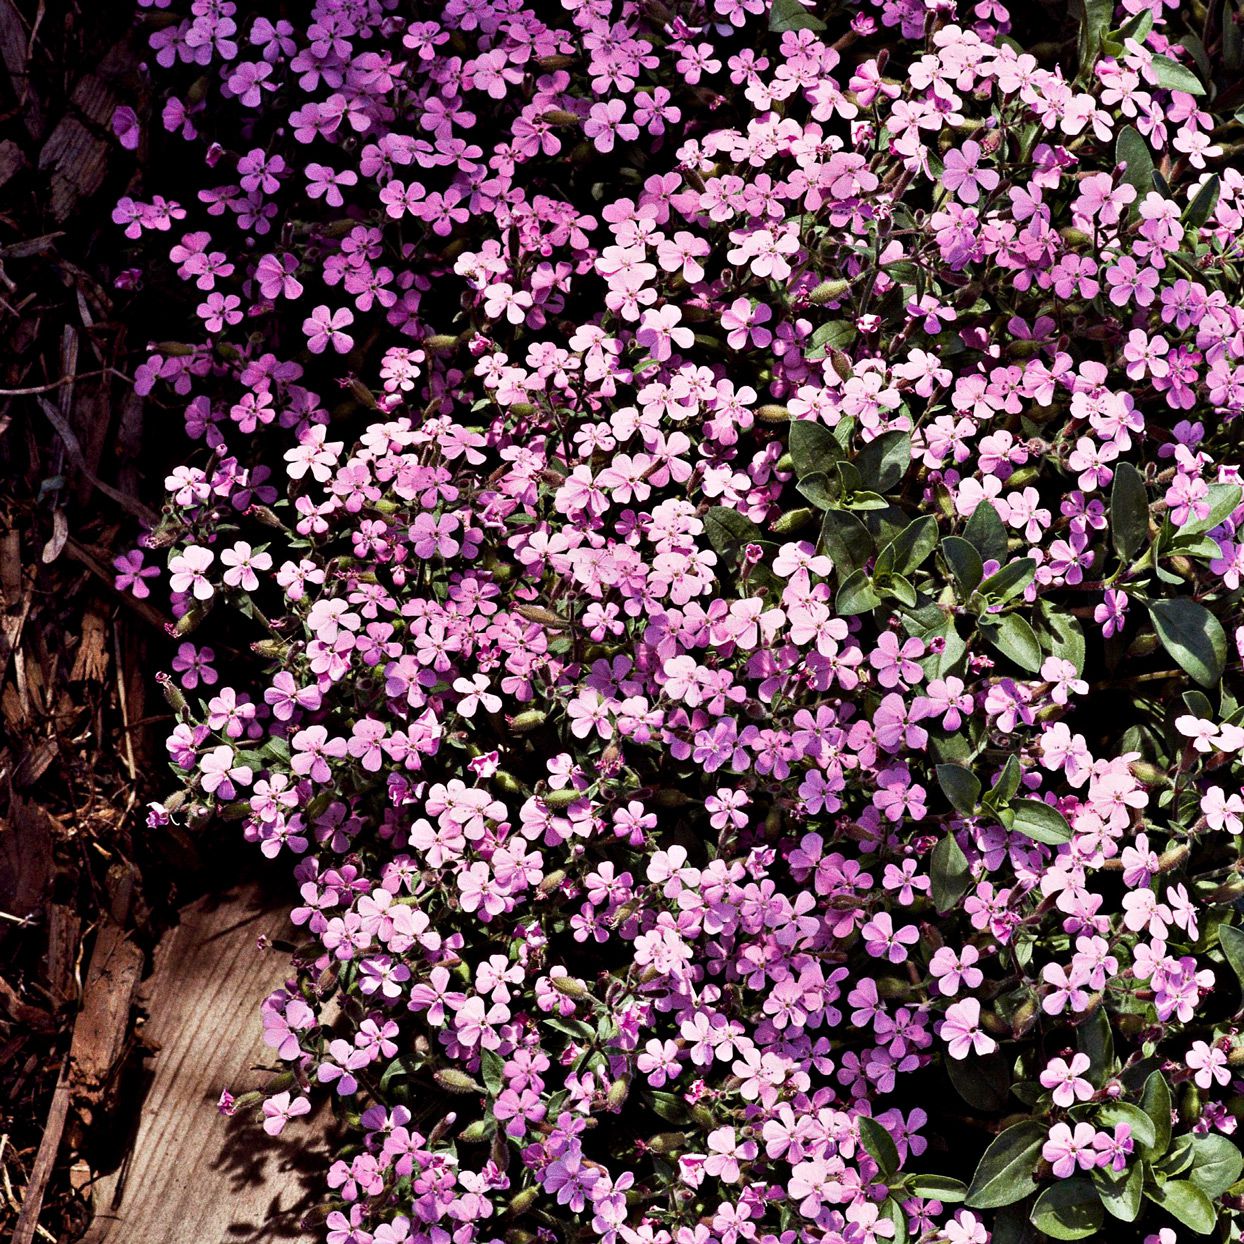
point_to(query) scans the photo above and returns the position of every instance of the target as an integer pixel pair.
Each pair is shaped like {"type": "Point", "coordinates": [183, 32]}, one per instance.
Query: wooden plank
{"type": "Point", "coordinates": [191, 1174]}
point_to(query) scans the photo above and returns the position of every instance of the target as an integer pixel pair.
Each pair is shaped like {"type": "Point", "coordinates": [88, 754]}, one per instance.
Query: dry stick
{"type": "Point", "coordinates": [32, 1199]}
{"type": "Point", "coordinates": [74, 450]}
{"type": "Point", "coordinates": [34, 390]}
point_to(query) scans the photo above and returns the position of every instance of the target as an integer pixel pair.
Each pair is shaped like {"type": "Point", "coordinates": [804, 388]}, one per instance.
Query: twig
{"type": "Point", "coordinates": [34, 390]}
{"type": "Point", "coordinates": [41, 1172]}
{"type": "Point", "coordinates": [74, 450]}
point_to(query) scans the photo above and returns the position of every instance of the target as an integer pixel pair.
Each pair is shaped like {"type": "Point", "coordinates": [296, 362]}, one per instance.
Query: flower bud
{"type": "Point", "coordinates": [454, 1081]}
{"type": "Point", "coordinates": [562, 798]}
{"type": "Point", "coordinates": [667, 1142]}
{"type": "Point", "coordinates": [529, 720]}
{"type": "Point", "coordinates": [570, 987]}
{"type": "Point", "coordinates": [524, 1200]}
{"type": "Point", "coordinates": [772, 414]}
{"type": "Point", "coordinates": [828, 291]}
{"type": "Point", "coordinates": [552, 881]}
{"type": "Point", "coordinates": [475, 1132]}
{"type": "Point", "coordinates": [793, 520]}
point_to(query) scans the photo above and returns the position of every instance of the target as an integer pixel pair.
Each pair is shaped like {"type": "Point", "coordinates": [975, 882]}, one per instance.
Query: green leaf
{"type": "Point", "coordinates": [1115, 1112]}
{"type": "Point", "coordinates": [1094, 1038]}
{"type": "Point", "coordinates": [1193, 637]}
{"type": "Point", "coordinates": [1183, 1200]}
{"type": "Point", "coordinates": [1063, 633]}
{"type": "Point", "coordinates": [1094, 17]}
{"type": "Point", "coordinates": [846, 540]}
{"type": "Point", "coordinates": [984, 1082]}
{"type": "Point", "coordinates": [879, 1144]}
{"type": "Point", "coordinates": [1197, 212]}
{"type": "Point", "coordinates": [1155, 1101]}
{"type": "Point", "coordinates": [894, 1213]}
{"type": "Point", "coordinates": [1004, 1173]}
{"type": "Point", "coordinates": [1173, 76]}
{"type": "Point", "coordinates": [1132, 150]}
{"type": "Point", "coordinates": [813, 446]}
{"type": "Point", "coordinates": [1232, 40]}
{"type": "Point", "coordinates": [1040, 822]}
{"type": "Point", "coordinates": [961, 786]}
{"type": "Point", "coordinates": [815, 487]}
{"type": "Point", "coordinates": [492, 1065]}
{"type": "Point", "coordinates": [728, 530]}
{"type": "Point", "coordinates": [669, 1107]}
{"type": "Point", "coordinates": [1011, 1226]}
{"type": "Point", "coordinates": [1129, 510]}
{"type": "Point", "coordinates": [856, 595]}
{"type": "Point", "coordinates": [1068, 1210]}
{"type": "Point", "coordinates": [964, 563]}
{"type": "Point", "coordinates": [1014, 637]}
{"type": "Point", "coordinates": [1216, 1164]}
{"type": "Point", "coordinates": [884, 461]}
{"type": "Point", "coordinates": [900, 589]}
{"type": "Point", "coordinates": [937, 1188]}
{"type": "Point", "coordinates": [948, 869]}
{"type": "Point", "coordinates": [909, 549]}
{"type": "Point", "coordinates": [1009, 581]}
{"type": "Point", "coordinates": [1003, 790]}
{"type": "Point", "coordinates": [1231, 939]}
{"type": "Point", "coordinates": [1121, 1193]}
{"type": "Point", "coordinates": [787, 15]}
{"type": "Point", "coordinates": [986, 534]}
{"type": "Point", "coordinates": [1223, 500]}
{"type": "Point", "coordinates": [837, 334]}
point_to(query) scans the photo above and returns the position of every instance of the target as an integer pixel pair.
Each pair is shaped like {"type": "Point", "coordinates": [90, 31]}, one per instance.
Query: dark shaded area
{"type": "Point", "coordinates": [85, 887]}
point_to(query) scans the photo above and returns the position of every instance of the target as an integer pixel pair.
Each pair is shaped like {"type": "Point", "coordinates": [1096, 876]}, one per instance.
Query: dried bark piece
{"type": "Point", "coordinates": [102, 1026]}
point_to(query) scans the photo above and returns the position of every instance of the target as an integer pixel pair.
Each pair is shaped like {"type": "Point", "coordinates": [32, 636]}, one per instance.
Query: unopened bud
{"type": "Point", "coordinates": [793, 520]}
{"type": "Point", "coordinates": [455, 1081]}
{"type": "Point", "coordinates": [524, 1200]}
{"type": "Point", "coordinates": [570, 987]}
{"type": "Point", "coordinates": [529, 720]}
{"type": "Point", "coordinates": [552, 881]}
{"type": "Point", "coordinates": [828, 291]}
{"type": "Point", "coordinates": [772, 414]}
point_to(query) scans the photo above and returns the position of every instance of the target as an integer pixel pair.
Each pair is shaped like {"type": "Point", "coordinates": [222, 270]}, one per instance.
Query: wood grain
{"type": "Point", "coordinates": [191, 1174]}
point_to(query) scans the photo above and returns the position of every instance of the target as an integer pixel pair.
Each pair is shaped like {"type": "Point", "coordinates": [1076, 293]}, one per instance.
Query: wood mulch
{"type": "Point", "coordinates": [122, 1008]}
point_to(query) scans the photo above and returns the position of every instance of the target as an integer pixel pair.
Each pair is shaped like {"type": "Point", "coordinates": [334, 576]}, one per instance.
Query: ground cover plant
{"type": "Point", "coordinates": [734, 506]}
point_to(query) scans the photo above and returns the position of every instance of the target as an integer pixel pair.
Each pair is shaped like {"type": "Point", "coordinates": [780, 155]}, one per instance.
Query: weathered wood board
{"type": "Point", "coordinates": [191, 1174]}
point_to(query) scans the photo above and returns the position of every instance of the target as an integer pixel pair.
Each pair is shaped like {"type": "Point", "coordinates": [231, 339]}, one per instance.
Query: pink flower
{"type": "Point", "coordinates": [1065, 1149]}
{"type": "Point", "coordinates": [278, 1111]}
{"type": "Point", "coordinates": [962, 176]}
{"type": "Point", "coordinates": [1067, 1080]}
{"type": "Point", "coordinates": [324, 328]}
{"type": "Point", "coordinates": [962, 1032]}
{"type": "Point", "coordinates": [188, 572]}
{"type": "Point", "coordinates": [1210, 1064]}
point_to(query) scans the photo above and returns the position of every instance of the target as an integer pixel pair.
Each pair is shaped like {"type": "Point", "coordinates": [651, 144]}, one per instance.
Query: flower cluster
{"type": "Point", "coordinates": [738, 510]}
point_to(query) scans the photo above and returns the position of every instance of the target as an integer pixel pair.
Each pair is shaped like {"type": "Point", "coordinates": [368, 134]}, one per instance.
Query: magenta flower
{"type": "Point", "coordinates": [280, 1109]}
{"type": "Point", "coordinates": [962, 1032]}
{"type": "Point", "coordinates": [324, 328]}
{"type": "Point", "coordinates": [964, 177]}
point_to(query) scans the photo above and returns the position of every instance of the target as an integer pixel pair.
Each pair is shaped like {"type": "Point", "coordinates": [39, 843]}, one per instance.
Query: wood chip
{"type": "Point", "coordinates": [192, 1175]}
{"type": "Point", "coordinates": [102, 1027]}
{"type": "Point", "coordinates": [91, 660]}
{"type": "Point", "coordinates": [32, 1199]}
{"type": "Point", "coordinates": [25, 857]}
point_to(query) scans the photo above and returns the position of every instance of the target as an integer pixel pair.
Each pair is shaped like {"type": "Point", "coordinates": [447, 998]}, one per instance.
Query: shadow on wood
{"type": "Point", "coordinates": [189, 1174]}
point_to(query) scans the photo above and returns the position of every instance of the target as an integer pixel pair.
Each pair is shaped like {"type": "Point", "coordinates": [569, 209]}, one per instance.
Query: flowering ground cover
{"type": "Point", "coordinates": [734, 509]}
